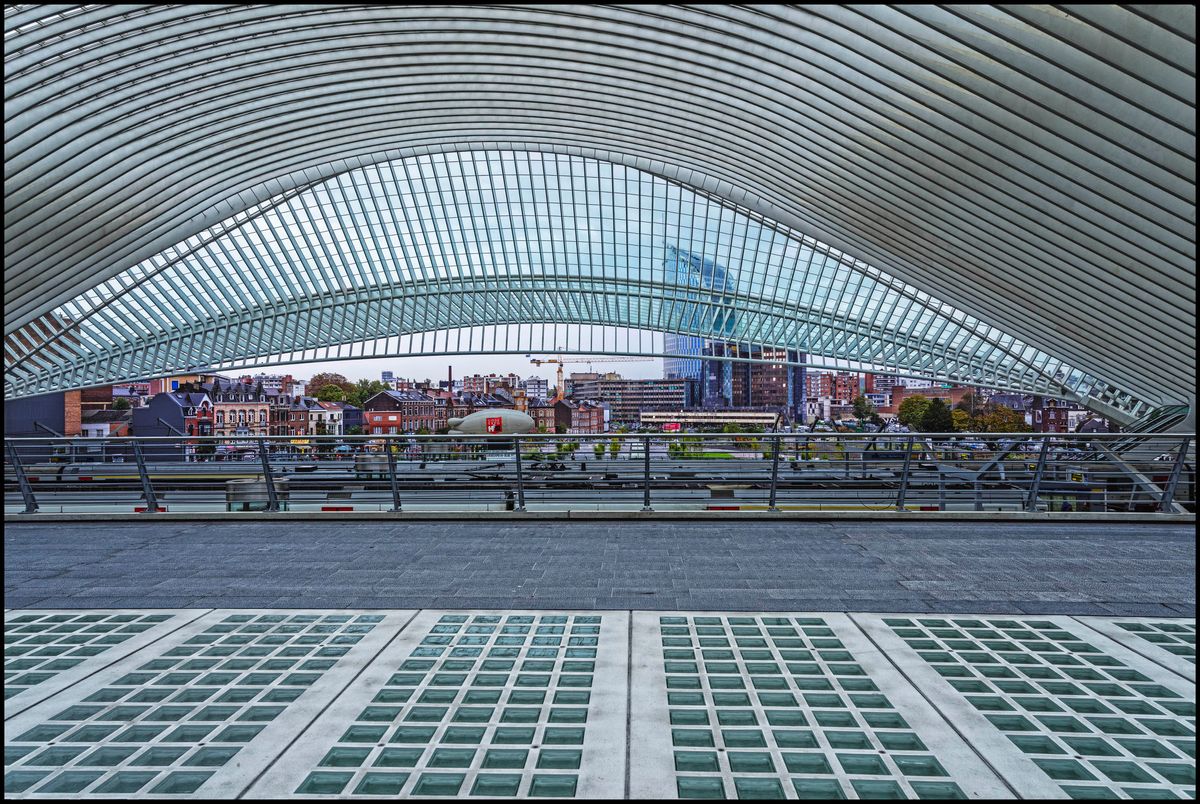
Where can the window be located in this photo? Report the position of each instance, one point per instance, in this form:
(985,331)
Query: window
(377,431)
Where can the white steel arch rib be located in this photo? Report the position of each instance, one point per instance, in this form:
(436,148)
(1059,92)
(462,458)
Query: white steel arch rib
(1032,166)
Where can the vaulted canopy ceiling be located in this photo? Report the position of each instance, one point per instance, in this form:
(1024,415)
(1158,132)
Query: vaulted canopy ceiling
(1030,168)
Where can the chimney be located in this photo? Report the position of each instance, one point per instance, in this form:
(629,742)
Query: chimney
(450,377)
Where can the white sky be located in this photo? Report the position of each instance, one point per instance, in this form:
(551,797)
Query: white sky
(435,367)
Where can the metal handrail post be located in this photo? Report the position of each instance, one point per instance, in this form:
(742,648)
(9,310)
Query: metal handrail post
(903,492)
(646,476)
(520,475)
(147,486)
(1031,503)
(1169,492)
(272,498)
(14,458)
(941,490)
(391,459)
(774,476)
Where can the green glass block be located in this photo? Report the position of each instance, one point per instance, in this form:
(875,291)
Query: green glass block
(1122,771)
(481,697)
(281,695)
(826,701)
(559,759)
(1067,769)
(1086,706)
(1088,792)
(496,784)
(537,697)
(837,720)
(856,740)
(344,757)
(505,758)
(211,757)
(513,736)
(795,739)
(777,699)
(1175,773)
(877,789)
(863,764)
(553,786)
(562,736)
(561,715)
(426,714)
(438,784)
(989,703)
(110,695)
(21,780)
(743,738)
(815,789)
(463,735)
(396,757)
(70,782)
(673,698)
(758,788)
(12,753)
(900,741)
(438,696)
(183,782)
(381,784)
(726,683)
(786,718)
(79,713)
(806,763)
(159,756)
(324,783)
(735,717)
(520,714)
(126,782)
(1146,749)
(55,757)
(729,699)
(1011,723)
(699,787)
(750,762)
(1165,728)
(403,734)
(937,790)
(695,761)
(919,766)
(108,756)
(452,758)
(884,720)
(1186,746)
(692,738)
(41,734)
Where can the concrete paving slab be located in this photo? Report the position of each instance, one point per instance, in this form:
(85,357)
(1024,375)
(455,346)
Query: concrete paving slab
(478,703)
(1050,702)
(45,652)
(1171,643)
(202,711)
(784,705)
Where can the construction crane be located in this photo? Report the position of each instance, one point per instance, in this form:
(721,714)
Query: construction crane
(559,388)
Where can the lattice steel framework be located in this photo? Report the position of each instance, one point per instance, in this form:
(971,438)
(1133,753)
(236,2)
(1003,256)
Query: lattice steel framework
(1032,166)
(501,251)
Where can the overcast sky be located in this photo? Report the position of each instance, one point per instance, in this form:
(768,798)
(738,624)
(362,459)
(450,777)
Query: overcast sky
(435,368)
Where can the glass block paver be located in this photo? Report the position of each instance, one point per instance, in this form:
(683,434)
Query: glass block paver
(45,651)
(476,704)
(210,705)
(1098,720)
(784,706)
(1171,643)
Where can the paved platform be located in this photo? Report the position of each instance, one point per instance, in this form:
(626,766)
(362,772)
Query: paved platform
(235,703)
(944,567)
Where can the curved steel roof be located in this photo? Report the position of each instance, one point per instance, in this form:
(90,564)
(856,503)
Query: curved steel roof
(1031,166)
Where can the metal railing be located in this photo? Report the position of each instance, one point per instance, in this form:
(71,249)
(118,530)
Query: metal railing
(1086,473)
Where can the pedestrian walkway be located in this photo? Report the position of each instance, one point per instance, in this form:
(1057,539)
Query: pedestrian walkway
(598,703)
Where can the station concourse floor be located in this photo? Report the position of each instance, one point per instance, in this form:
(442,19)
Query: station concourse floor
(663,659)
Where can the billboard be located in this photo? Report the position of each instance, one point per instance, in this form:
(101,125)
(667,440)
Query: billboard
(495,424)
(670,427)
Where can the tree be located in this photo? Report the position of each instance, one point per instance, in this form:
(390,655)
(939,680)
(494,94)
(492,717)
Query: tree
(912,409)
(962,420)
(598,449)
(1003,419)
(120,404)
(364,390)
(330,378)
(331,393)
(864,410)
(614,446)
(937,418)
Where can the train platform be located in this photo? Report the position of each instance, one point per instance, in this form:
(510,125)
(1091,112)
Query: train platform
(599,660)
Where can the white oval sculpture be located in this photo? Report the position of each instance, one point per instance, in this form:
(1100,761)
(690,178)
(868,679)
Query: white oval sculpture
(495,421)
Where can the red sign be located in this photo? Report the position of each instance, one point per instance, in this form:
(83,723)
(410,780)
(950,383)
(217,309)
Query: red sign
(670,427)
(495,425)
